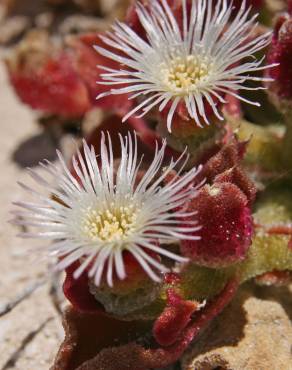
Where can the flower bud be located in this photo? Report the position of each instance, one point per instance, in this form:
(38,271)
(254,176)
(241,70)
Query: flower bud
(226,221)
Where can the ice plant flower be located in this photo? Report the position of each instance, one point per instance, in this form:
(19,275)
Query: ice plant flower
(197,63)
(98,213)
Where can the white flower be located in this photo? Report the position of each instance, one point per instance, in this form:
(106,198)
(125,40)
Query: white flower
(195,65)
(100,213)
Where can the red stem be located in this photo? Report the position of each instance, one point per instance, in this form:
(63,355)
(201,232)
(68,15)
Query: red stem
(135,357)
(164,357)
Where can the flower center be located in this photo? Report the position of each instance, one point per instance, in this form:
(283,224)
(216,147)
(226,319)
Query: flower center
(109,225)
(182,75)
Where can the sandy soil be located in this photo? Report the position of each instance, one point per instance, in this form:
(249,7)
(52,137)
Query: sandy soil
(31,332)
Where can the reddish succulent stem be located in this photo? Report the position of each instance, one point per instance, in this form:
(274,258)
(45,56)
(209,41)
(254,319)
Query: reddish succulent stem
(135,357)
(166,356)
(205,316)
(174,318)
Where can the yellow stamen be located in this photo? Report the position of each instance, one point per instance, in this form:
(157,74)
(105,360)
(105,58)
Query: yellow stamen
(111,224)
(182,75)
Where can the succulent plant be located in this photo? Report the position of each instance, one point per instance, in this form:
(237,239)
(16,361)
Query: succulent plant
(158,245)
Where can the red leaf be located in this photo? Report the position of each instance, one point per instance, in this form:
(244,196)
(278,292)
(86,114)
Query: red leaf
(53,87)
(175,317)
